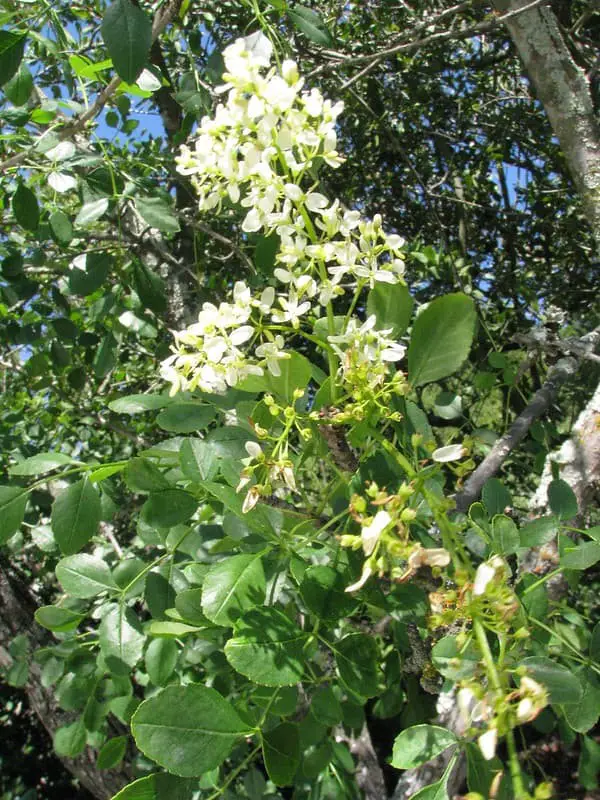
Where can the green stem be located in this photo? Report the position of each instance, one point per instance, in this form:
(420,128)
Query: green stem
(495,680)
(233,775)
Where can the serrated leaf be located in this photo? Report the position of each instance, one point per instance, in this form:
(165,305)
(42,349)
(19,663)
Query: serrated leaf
(121,639)
(268,648)
(392,306)
(495,496)
(583,556)
(13,501)
(157,213)
(112,753)
(159,786)
(562,500)
(161,658)
(356,657)
(20,86)
(96,271)
(25,208)
(57,619)
(441,338)
(186,417)
(168,507)
(139,403)
(69,740)
(188,730)
(150,287)
(311,25)
(75,516)
(84,576)
(127,33)
(281,753)
(12,48)
(419,744)
(141,475)
(505,535)
(232,587)
(91,212)
(40,464)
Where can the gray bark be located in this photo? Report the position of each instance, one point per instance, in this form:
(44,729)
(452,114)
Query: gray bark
(564,91)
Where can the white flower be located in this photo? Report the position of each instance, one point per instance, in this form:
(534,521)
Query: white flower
(488,742)
(315,201)
(428,557)
(292,309)
(273,353)
(366,574)
(485,573)
(451,452)
(254,450)
(371,534)
(250,500)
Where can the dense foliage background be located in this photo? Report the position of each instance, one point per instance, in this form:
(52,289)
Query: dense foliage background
(103,254)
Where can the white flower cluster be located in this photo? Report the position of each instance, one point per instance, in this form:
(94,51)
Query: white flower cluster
(261,150)
(364,352)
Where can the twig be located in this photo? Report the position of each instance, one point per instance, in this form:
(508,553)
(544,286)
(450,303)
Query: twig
(558,375)
(160,22)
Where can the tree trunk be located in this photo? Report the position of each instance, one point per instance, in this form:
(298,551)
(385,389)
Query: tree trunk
(17,607)
(564,90)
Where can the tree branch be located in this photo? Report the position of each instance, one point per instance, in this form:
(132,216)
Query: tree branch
(161,19)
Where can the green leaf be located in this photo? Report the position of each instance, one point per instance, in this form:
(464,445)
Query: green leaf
(159,786)
(12,48)
(112,752)
(91,212)
(495,496)
(505,535)
(84,576)
(326,708)
(441,338)
(159,593)
(13,501)
(232,587)
(139,403)
(356,657)
(562,685)
(480,773)
(127,33)
(198,460)
(562,500)
(141,475)
(150,287)
(20,86)
(419,744)
(588,768)
(188,730)
(453,661)
(25,208)
(61,227)
(93,276)
(595,643)
(583,715)
(76,514)
(583,556)
(323,591)
(392,306)
(40,464)
(189,605)
(121,639)
(186,417)
(538,531)
(268,648)
(281,753)
(311,25)
(69,740)
(158,213)
(168,508)
(161,658)
(57,619)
